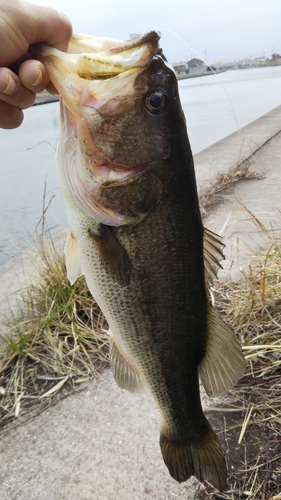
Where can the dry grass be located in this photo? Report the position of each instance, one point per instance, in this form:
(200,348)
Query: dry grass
(250,421)
(56,340)
(242,171)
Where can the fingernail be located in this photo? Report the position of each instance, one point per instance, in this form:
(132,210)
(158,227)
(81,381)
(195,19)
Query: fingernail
(38,79)
(10,86)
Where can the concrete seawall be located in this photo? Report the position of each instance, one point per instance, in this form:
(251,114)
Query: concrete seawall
(44,98)
(240,206)
(226,154)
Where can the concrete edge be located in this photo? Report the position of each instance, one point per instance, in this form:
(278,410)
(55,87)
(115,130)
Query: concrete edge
(234,149)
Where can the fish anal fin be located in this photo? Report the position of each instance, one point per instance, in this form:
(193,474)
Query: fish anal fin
(72,258)
(112,254)
(200,458)
(223,363)
(125,375)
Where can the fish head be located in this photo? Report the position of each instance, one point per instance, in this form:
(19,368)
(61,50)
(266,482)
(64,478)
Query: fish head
(118,111)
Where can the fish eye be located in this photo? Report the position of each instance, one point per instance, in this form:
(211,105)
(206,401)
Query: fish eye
(155,102)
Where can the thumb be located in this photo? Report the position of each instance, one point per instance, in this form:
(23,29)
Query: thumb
(47,25)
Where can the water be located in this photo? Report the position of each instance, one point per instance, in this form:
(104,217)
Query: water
(215,106)
(27,160)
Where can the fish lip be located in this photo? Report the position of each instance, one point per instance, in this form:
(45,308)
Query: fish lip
(148,40)
(71,72)
(103,44)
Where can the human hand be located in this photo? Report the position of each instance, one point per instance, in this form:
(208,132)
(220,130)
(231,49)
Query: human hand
(21,77)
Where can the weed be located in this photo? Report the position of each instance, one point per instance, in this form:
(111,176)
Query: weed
(57,338)
(249,416)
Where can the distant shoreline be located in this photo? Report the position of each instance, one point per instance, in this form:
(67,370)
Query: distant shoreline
(44,97)
(196,75)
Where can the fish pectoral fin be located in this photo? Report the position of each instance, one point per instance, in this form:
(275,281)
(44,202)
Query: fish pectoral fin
(112,254)
(213,254)
(72,258)
(201,458)
(223,363)
(125,375)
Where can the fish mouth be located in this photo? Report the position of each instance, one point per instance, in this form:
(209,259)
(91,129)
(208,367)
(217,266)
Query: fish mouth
(96,79)
(83,76)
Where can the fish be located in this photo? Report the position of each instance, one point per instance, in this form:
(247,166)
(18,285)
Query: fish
(127,177)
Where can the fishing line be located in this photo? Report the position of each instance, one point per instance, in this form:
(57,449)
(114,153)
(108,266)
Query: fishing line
(38,144)
(244,139)
(211,69)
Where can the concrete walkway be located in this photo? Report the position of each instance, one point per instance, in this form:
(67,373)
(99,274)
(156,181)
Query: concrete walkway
(260,146)
(102,443)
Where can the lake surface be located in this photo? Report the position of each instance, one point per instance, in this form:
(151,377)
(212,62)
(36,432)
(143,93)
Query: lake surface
(215,106)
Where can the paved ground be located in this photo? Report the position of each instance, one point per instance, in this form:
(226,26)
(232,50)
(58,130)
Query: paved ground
(102,443)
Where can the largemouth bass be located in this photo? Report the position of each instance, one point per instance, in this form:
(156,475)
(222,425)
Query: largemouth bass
(126,172)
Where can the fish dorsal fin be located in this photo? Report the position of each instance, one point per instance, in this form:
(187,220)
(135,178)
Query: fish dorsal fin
(213,254)
(223,363)
(72,258)
(125,375)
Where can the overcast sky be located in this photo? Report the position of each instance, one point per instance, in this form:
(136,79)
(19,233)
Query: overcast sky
(219,30)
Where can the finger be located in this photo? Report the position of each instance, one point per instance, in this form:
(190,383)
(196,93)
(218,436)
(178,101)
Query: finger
(8,84)
(51,89)
(26,24)
(13,92)
(33,75)
(10,116)
(47,25)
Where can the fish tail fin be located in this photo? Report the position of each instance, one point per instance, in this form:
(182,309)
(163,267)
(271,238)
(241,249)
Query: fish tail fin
(201,458)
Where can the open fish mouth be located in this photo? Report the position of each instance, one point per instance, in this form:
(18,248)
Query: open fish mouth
(102,87)
(93,60)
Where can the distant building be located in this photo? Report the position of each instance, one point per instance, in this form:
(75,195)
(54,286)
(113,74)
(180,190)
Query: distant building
(259,61)
(196,66)
(180,68)
(244,64)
